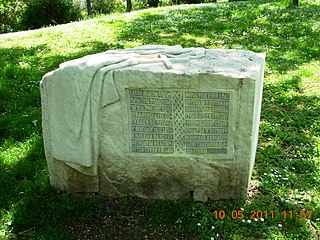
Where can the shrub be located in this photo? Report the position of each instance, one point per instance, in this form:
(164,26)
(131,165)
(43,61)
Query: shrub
(10,12)
(139,4)
(108,6)
(39,13)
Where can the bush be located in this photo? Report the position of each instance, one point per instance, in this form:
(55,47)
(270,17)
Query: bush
(10,12)
(139,4)
(108,6)
(40,13)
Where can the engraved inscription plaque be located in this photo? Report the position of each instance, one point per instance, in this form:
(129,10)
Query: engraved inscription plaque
(178,121)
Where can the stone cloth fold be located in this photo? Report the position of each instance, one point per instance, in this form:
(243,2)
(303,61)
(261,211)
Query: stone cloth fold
(78,88)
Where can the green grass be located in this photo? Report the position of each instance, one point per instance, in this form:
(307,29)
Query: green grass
(287,170)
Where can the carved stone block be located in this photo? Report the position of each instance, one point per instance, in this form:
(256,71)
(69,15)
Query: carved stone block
(154,122)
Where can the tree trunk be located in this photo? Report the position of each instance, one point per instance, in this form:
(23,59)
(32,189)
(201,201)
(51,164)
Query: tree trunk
(296,2)
(129,5)
(89,8)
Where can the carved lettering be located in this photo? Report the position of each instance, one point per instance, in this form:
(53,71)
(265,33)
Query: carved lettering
(151,136)
(178,121)
(207,109)
(206,151)
(152,122)
(191,115)
(207,130)
(150,101)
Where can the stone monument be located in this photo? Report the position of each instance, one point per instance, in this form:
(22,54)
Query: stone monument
(154,122)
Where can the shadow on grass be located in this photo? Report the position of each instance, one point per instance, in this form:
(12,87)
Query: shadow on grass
(286,162)
(27,201)
(36,211)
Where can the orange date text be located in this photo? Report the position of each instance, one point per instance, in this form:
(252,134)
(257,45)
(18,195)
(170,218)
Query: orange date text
(262,214)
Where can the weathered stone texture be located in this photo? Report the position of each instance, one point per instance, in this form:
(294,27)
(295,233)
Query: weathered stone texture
(168,122)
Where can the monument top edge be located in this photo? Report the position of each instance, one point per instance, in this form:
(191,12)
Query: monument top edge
(175,59)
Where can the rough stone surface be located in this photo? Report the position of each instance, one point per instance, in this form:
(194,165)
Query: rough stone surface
(154,122)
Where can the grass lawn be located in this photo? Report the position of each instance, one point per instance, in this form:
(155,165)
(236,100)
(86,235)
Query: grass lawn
(284,197)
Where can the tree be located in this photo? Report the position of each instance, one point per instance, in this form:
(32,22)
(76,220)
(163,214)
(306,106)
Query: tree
(89,7)
(129,5)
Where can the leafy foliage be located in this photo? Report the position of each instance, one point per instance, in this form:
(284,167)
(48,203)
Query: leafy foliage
(10,14)
(40,13)
(108,6)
